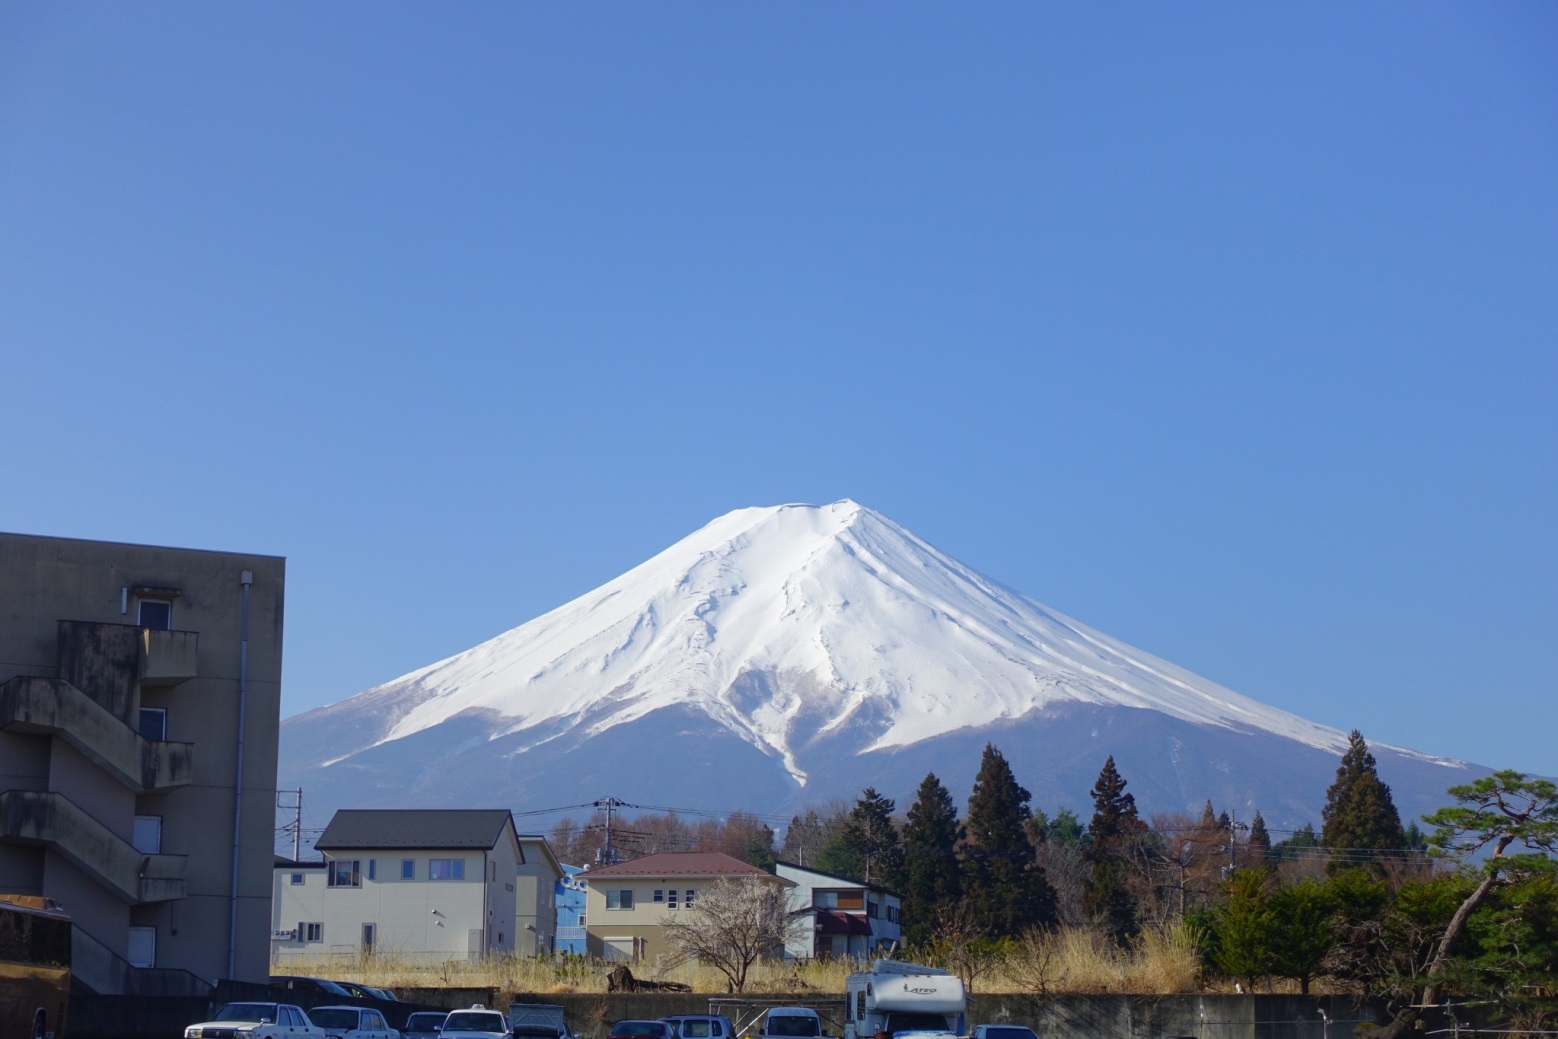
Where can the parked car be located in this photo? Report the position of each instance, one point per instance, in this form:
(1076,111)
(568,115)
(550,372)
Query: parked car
(790,1023)
(702,1026)
(352,1023)
(318,986)
(633,1029)
(383,993)
(424,1024)
(1002,1032)
(538,1021)
(256,1021)
(475,1023)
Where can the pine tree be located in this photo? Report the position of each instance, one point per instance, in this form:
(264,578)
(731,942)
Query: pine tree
(1004,886)
(1111,836)
(1260,841)
(931,877)
(872,840)
(1359,816)
(1065,829)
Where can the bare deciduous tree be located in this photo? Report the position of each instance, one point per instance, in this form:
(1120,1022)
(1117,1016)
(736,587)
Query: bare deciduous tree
(731,926)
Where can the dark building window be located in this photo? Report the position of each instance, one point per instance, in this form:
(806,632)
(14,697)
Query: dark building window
(154,723)
(156,613)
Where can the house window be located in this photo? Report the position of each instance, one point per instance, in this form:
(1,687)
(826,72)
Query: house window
(494,877)
(689,895)
(826,899)
(871,910)
(154,723)
(446,869)
(369,933)
(297,878)
(671,900)
(345,873)
(156,613)
(620,899)
(660,894)
(311,932)
(147,834)
(408,869)
(373,869)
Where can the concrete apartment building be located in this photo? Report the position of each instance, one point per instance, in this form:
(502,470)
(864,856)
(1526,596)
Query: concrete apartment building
(425,885)
(140,695)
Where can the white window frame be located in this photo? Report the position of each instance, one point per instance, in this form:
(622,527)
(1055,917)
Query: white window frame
(452,869)
(619,895)
(354,866)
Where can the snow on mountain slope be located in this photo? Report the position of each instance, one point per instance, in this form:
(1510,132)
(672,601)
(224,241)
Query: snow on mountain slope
(790,625)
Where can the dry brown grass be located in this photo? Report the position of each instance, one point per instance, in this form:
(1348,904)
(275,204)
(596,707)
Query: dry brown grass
(1162,962)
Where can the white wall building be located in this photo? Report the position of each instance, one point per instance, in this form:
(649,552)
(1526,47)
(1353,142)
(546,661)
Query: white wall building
(426,885)
(846,917)
(536,897)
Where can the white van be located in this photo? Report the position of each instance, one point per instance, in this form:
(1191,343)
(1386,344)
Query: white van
(791,1023)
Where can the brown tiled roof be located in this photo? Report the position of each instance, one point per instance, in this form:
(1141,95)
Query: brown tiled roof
(679,864)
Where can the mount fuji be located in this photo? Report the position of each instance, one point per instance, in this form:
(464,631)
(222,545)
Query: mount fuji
(792,655)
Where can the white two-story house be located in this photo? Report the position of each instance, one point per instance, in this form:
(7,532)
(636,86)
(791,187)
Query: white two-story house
(846,917)
(430,885)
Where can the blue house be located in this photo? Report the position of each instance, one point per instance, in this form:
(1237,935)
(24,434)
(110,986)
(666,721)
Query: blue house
(570,911)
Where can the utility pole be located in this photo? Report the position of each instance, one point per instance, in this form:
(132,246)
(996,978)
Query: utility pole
(297,820)
(610,804)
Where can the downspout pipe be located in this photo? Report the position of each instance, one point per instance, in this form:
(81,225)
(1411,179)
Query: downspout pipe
(245,579)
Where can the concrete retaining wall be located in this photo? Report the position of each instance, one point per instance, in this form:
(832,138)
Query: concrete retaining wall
(592,1014)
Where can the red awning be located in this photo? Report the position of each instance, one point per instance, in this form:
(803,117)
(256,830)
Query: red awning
(830,921)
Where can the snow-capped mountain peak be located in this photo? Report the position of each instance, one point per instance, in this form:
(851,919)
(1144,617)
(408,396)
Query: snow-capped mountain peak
(795,622)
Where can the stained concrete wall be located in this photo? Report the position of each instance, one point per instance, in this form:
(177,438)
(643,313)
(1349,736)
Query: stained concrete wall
(47,580)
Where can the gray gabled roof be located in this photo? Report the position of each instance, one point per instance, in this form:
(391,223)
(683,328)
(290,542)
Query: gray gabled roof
(431,828)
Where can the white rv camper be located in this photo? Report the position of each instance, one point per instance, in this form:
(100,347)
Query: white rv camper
(896,999)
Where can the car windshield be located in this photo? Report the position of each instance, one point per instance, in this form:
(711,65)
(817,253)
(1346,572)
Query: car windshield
(333,1017)
(792,1024)
(1009,1032)
(424,1022)
(916,1023)
(694,1029)
(475,1021)
(247,1012)
(640,1028)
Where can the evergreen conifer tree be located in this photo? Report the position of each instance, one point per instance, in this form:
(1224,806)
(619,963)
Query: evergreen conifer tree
(1111,835)
(931,876)
(1005,888)
(872,840)
(1359,816)
(1260,841)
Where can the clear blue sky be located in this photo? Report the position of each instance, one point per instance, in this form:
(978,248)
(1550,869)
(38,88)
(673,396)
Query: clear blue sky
(1228,329)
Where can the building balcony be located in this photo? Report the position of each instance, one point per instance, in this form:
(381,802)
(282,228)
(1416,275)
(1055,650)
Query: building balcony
(37,817)
(570,934)
(168,657)
(54,707)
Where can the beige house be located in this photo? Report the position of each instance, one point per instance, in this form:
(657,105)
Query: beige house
(535,893)
(626,903)
(427,885)
(140,693)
